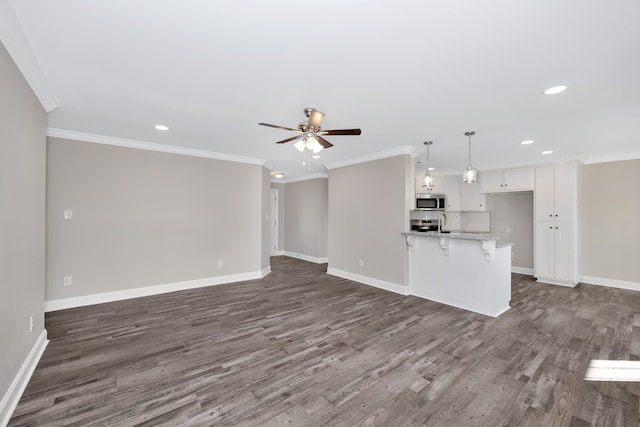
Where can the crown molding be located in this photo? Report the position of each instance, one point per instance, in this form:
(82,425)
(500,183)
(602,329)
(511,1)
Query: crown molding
(151,146)
(407,150)
(611,158)
(16,43)
(300,178)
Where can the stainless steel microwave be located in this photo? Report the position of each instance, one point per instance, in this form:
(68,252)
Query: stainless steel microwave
(430,202)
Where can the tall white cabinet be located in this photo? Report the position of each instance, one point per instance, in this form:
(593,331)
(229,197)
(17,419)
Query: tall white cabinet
(557,222)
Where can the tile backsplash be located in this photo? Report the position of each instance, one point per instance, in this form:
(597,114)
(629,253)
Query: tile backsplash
(465,221)
(469,221)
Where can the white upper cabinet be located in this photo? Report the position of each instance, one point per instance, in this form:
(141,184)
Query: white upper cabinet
(556,192)
(470,197)
(506,180)
(452,191)
(437,188)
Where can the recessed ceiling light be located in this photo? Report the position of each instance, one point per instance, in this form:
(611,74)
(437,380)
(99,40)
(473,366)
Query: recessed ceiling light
(527,142)
(316,156)
(162,127)
(555,89)
(431,169)
(547,152)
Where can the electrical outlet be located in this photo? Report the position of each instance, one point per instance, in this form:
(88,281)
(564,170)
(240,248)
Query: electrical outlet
(361,263)
(220,263)
(508,229)
(31,323)
(68,214)
(67,281)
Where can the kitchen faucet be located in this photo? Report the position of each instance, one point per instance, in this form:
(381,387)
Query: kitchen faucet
(442,220)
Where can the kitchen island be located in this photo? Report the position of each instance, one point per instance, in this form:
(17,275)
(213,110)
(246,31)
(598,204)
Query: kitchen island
(465,270)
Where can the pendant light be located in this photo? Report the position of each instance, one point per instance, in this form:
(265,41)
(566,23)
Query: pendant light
(428,178)
(470,174)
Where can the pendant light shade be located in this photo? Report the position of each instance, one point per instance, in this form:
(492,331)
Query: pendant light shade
(470,174)
(428,178)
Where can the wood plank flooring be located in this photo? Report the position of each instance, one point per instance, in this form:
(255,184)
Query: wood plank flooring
(303,348)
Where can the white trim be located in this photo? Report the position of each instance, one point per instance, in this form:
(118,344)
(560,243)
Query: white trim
(522,270)
(304,257)
(504,310)
(303,178)
(377,283)
(613,370)
(611,283)
(20,381)
(18,47)
(373,156)
(556,282)
(278,253)
(151,146)
(81,301)
(265,271)
(612,158)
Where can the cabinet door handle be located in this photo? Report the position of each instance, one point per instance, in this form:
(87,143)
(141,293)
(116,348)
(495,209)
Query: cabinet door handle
(556,228)
(551,215)
(556,214)
(550,228)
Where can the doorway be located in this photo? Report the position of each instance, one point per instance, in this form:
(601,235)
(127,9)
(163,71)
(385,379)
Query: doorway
(274,222)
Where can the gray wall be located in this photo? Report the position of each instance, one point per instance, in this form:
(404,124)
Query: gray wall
(265,258)
(22,219)
(143,218)
(514,210)
(368,209)
(306,212)
(611,224)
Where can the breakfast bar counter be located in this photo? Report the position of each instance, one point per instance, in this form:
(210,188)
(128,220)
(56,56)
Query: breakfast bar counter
(465,270)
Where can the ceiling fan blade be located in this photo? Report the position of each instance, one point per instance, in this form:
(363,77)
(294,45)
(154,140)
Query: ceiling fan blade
(323,142)
(341,132)
(315,118)
(278,127)
(289,139)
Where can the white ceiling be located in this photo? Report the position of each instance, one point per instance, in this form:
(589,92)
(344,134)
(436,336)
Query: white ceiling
(402,71)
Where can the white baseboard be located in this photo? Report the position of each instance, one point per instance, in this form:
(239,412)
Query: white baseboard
(612,283)
(307,257)
(13,394)
(387,286)
(556,282)
(522,270)
(81,301)
(265,271)
(278,253)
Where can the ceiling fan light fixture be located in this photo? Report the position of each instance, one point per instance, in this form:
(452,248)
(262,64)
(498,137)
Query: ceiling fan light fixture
(470,174)
(313,145)
(300,145)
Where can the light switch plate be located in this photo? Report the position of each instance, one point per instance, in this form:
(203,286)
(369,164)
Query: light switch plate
(68,214)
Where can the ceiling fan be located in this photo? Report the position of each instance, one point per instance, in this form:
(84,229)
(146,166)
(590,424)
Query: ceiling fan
(310,134)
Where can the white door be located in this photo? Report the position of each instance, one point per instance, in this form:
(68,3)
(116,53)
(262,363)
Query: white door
(274,222)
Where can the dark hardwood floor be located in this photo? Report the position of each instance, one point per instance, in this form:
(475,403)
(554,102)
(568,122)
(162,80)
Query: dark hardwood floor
(303,348)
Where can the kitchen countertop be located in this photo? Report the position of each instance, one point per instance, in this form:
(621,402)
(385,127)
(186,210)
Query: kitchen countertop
(457,235)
